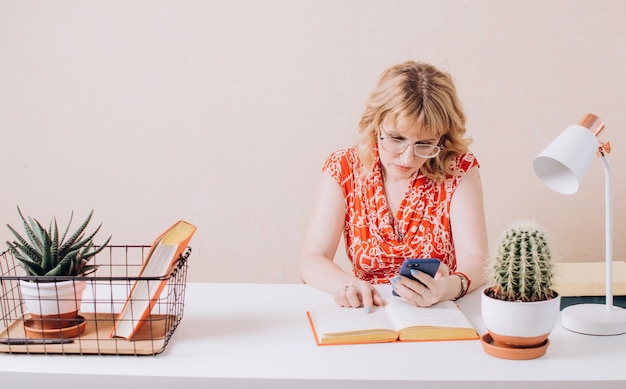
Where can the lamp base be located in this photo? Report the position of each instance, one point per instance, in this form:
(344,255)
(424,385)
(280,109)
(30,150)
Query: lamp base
(594,319)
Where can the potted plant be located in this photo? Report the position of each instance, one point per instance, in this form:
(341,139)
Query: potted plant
(519,307)
(50,290)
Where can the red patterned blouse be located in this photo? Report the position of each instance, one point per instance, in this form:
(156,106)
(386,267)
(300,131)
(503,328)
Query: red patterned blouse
(377,249)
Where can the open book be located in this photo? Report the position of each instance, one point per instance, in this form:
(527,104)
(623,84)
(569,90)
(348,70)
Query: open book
(161,258)
(397,320)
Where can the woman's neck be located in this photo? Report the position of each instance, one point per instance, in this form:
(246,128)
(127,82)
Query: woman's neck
(395,191)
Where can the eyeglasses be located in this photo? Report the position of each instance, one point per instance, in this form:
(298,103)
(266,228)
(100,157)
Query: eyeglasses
(397,146)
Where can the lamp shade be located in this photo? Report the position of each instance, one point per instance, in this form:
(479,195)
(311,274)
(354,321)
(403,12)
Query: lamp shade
(563,163)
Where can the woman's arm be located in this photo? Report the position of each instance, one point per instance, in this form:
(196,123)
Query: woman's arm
(317,267)
(469,230)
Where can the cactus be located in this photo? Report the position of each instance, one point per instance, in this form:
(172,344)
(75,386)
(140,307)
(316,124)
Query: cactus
(520,266)
(47,254)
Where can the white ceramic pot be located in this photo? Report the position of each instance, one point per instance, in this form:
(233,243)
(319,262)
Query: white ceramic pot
(519,323)
(53,301)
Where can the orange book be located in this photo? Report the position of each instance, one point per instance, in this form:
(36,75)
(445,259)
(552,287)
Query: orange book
(163,254)
(396,321)
(589,278)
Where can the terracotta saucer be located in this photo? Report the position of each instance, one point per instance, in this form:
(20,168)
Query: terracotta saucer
(512,352)
(66,332)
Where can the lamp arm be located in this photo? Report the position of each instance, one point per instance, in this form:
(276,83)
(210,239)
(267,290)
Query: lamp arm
(608,186)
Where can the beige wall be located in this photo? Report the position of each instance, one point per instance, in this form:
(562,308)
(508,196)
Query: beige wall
(222,112)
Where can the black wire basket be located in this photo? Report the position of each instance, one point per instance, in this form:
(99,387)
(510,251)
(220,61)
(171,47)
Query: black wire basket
(105,293)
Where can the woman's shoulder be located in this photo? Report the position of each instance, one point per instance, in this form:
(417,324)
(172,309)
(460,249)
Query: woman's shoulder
(347,157)
(464,162)
(342,164)
(349,154)
(458,168)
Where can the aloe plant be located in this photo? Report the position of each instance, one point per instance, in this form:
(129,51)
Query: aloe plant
(44,253)
(520,266)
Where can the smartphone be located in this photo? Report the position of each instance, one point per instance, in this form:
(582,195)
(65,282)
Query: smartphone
(426,265)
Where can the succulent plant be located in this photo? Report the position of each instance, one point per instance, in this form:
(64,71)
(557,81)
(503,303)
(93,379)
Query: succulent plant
(47,254)
(520,265)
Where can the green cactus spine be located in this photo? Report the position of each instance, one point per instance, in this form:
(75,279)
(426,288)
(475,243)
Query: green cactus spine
(520,267)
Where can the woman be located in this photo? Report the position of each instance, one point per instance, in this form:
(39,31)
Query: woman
(410,189)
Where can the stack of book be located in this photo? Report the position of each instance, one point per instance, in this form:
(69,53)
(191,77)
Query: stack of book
(585,282)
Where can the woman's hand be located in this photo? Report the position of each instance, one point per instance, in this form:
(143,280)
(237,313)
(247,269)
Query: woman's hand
(356,294)
(429,290)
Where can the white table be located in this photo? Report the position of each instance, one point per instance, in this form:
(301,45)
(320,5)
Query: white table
(258,336)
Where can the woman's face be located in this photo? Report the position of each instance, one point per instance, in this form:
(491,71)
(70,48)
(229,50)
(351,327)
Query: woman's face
(400,165)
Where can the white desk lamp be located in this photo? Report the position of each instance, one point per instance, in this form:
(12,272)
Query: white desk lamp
(562,166)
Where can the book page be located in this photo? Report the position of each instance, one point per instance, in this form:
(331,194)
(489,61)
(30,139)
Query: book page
(336,320)
(160,261)
(144,290)
(443,314)
(164,253)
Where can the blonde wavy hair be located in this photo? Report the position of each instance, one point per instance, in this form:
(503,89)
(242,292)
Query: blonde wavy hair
(426,96)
